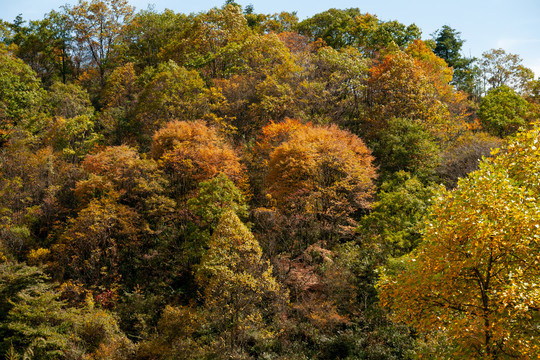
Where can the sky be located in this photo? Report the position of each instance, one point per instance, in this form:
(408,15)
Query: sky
(513,25)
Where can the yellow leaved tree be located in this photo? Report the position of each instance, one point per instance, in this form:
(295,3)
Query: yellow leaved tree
(475,278)
(238,287)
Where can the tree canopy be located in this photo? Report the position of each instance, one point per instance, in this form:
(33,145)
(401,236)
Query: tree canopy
(474,276)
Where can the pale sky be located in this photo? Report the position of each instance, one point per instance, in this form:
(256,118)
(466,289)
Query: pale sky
(513,25)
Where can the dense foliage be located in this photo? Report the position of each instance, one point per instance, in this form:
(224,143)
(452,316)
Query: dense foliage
(236,185)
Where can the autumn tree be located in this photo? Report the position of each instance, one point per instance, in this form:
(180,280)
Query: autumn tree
(261,88)
(97,25)
(321,174)
(238,287)
(414,84)
(123,208)
(191,152)
(500,68)
(473,278)
(98,245)
(30,183)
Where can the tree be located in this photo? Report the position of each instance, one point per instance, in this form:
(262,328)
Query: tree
(46,45)
(20,93)
(238,286)
(36,323)
(334,26)
(372,35)
(349,27)
(499,68)
(97,28)
(170,92)
(406,146)
(395,220)
(192,152)
(210,42)
(414,84)
(120,100)
(321,174)
(68,100)
(73,137)
(502,111)
(464,156)
(98,244)
(261,87)
(119,171)
(335,86)
(474,277)
(214,197)
(31,180)
(148,33)
(448,44)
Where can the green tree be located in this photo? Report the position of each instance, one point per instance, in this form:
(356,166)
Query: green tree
(394,224)
(334,90)
(372,35)
(238,287)
(334,26)
(148,33)
(69,100)
(170,92)
(474,277)
(406,146)
(37,324)
(214,197)
(46,45)
(20,93)
(119,99)
(349,27)
(448,44)
(502,111)
(210,41)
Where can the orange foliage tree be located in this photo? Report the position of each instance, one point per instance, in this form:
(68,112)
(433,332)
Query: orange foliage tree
(415,84)
(192,152)
(319,171)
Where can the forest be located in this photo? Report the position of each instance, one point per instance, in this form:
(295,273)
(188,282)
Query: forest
(237,185)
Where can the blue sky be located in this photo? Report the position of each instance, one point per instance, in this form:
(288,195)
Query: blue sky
(513,25)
